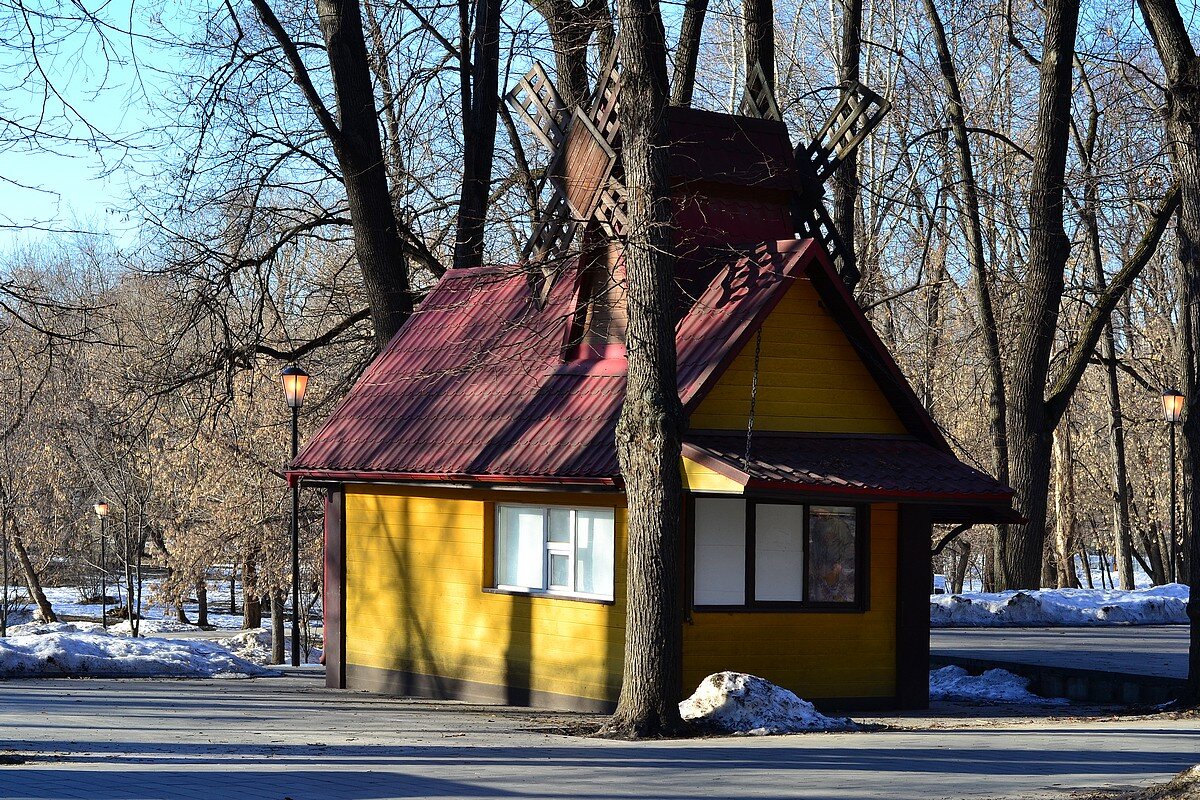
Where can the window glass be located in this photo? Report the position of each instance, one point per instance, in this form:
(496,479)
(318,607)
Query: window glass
(831,554)
(520,547)
(720,569)
(779,552)
(560,525)
(560,549)
(594,551)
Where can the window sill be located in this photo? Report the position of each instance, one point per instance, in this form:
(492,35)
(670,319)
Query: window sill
(578,598)
(786,608)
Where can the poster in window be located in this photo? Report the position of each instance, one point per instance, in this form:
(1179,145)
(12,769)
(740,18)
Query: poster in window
(831,555)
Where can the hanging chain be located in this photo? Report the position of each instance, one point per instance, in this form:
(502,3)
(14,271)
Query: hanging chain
(753,398)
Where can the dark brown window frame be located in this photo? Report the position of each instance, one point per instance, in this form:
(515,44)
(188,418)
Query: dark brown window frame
(862,557)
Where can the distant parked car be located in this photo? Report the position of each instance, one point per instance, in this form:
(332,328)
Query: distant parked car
(939,584)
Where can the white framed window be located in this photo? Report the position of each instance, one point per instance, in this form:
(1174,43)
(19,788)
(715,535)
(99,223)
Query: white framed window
(555,549)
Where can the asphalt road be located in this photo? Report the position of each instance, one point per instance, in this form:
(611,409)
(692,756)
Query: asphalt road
(289,737)
(1156,650)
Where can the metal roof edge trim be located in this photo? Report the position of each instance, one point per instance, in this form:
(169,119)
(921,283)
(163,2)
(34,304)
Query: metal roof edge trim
(948,498)
(365,476)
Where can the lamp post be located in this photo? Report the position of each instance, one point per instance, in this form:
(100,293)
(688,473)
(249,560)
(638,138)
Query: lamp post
(101,510)
(1172,402)
(295,384)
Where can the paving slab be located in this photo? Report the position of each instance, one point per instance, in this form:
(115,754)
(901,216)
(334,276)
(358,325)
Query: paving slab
(290,737)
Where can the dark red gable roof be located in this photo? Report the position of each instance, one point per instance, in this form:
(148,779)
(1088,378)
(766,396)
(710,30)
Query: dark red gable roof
(474,386)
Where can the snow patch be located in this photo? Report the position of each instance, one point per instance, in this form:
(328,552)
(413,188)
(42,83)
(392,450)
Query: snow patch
(84,649)
(1153,605)
(739,703)
(994,686)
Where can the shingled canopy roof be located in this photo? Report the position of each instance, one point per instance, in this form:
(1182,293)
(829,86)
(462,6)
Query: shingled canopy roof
(475,388)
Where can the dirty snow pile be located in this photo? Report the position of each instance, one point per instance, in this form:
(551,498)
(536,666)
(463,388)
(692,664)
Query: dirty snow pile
(1153,605)
(85,649)
(993,686)
(735,702)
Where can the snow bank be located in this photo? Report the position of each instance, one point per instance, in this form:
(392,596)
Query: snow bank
(1154,605)
(739,703)
(993,686)
(83,649)
(255,646)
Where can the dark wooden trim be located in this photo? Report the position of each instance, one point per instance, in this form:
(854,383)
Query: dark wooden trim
(913,578)
(439,687)
(688,578)
(488,567)
(334,602)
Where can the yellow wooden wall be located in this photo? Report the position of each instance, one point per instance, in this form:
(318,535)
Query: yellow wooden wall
(816,655)
(810,378)
(415,570)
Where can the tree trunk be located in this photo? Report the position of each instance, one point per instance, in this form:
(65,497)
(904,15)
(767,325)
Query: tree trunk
(571,29)
(758,19)
(357,144)
(1030,430)
(202,602)
(651,421)
(845,178)
(251,605)
(1064,509)
(973,225)
(479,88)
(683,81)
(962,560)
(32,581)
(277,642)
(1182,68)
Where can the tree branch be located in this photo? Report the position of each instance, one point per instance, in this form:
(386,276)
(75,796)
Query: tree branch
(1093,326)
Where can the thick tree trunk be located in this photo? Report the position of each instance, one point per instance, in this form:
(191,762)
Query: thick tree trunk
(651,421)
(32,581)
(683,80)
(571,29)
(1029,427)
(962,561)
(758,20)
(1182,68)
(359,152)
(479,88)
(845,179)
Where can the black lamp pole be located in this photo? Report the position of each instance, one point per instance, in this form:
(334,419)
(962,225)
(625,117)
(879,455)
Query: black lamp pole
(101,509)
(295,542)
(295,383)
(1173,413)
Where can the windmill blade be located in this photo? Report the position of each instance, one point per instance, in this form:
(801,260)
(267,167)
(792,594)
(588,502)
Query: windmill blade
(536,101)
(612,209)
(607,100)
(813,222)
(854,117)
(758,99)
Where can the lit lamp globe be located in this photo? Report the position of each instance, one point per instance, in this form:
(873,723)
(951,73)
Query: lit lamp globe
(1172,405)
(101,509)
(295,383)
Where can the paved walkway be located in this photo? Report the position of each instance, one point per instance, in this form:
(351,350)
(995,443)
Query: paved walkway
(288,737)
(1155,650)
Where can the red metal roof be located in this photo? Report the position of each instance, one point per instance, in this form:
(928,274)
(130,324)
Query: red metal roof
(855,466)
(474,386)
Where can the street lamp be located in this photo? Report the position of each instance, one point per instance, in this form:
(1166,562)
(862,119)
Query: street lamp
(295,384)
(101,509)
(1172,402)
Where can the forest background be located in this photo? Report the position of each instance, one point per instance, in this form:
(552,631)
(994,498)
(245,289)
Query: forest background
(141,351)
